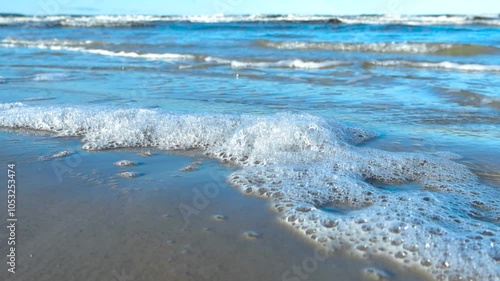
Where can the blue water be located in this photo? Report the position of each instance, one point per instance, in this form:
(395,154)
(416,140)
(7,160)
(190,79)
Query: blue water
(425,85)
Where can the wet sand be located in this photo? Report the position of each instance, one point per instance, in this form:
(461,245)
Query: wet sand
(178,220)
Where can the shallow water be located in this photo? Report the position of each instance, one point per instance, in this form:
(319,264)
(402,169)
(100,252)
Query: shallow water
(379,134)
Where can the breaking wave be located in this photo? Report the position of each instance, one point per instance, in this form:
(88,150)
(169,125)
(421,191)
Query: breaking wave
(138,21)
(385,47)
(434,65)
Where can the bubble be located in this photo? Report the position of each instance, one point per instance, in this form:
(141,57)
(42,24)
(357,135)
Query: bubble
(145,153)
(426,262)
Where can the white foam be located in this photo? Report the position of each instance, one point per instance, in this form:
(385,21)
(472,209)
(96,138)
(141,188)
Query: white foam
(217,60)
(383,47)
(296,63)
(65,46)
(420,211)
(125,163)
(57,155)
(52,42)
(61,45)
(10,105)
(437,65)
(148,20)
(418,20)
(51,77)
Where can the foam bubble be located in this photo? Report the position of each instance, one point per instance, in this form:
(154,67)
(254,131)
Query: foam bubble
(420,211)
(125,163)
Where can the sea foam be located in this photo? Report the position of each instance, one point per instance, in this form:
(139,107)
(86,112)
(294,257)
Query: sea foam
(445,65)
(385,47)
(418,210)
(138,21)
(86,47)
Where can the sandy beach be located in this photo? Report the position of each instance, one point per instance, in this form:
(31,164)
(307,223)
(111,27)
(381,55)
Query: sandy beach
(95,225)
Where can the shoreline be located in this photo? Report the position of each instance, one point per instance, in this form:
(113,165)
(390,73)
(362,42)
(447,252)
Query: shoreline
(95,225)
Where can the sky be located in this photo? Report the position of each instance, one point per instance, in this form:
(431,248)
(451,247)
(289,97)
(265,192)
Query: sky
(209,7)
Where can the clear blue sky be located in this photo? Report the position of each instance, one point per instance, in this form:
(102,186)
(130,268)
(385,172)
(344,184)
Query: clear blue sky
(208,7)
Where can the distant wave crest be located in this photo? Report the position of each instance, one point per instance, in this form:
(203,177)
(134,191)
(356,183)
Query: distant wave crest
(295,63)
(385,47)
(434,65)
(149,20)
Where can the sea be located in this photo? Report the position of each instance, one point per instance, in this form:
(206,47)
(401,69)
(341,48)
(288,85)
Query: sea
(375,134)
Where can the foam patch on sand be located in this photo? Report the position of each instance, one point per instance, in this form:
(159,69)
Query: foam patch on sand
(421,211)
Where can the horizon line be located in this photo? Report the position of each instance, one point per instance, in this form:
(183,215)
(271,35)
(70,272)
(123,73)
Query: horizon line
(244,14)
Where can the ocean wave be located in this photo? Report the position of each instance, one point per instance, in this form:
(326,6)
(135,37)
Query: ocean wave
(149,20)
(89,47)
(72,43)
(434,65)
(385,47)
(422,20)
(86,47)
(469,98)
(296,63)
(335,193)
